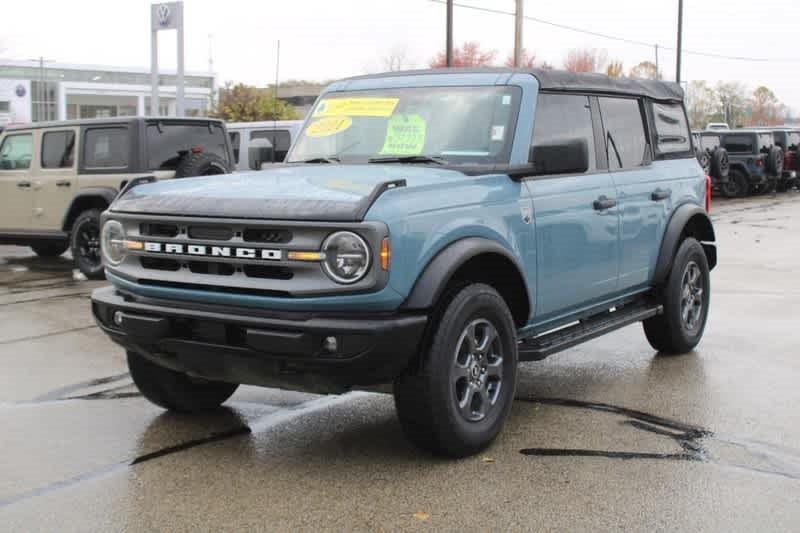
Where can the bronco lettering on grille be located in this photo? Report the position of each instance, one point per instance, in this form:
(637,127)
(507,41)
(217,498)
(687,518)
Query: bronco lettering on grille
(213,251)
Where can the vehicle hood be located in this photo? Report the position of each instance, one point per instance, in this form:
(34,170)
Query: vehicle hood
(323,192)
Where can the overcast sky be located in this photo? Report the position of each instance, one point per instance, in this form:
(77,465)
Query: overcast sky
(328,39)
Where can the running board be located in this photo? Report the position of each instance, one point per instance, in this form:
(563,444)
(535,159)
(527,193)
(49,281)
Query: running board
(537,348)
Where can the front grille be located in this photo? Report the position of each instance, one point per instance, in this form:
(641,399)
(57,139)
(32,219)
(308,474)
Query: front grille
(267,272)
(214,288)
(217,269)
(158,263)
(211,233)
(266,235)
(158,230)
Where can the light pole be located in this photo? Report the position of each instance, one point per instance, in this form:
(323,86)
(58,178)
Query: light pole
(680,41)
(518,35)
(449,37)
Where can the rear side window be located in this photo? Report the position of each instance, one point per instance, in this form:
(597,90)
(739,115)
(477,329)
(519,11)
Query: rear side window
(16,152)
(672,129)
(780,138)
(280,139)
(106,148)
(58,149)
(794,140)
(167,143)
(236,138)
(624,131)
(765,141)
(560,119)
(741,144)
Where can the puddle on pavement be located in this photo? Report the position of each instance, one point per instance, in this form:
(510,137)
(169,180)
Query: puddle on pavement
(695,443)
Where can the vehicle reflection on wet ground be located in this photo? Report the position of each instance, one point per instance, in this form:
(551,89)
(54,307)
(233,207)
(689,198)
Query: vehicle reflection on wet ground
(606,435)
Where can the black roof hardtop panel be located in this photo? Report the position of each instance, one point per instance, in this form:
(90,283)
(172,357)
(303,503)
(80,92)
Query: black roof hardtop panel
(103,121)
(561,80)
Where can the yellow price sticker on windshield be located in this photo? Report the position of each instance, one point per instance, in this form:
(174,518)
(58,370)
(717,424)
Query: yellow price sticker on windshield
(356,107)
(328,126)
(405,135)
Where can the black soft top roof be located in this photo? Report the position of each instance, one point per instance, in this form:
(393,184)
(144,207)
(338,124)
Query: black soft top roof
(561,80)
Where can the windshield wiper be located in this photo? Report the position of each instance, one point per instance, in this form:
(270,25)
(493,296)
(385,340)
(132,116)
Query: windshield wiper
(332,159)
(409,159)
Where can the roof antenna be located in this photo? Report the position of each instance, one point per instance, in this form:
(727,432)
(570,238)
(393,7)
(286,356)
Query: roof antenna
(275,103)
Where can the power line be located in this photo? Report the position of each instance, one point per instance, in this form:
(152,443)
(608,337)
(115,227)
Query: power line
(623,39)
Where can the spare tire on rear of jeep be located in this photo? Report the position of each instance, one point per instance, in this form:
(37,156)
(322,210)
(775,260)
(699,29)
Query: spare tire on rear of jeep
(775,161)
(720,166)
(201,164)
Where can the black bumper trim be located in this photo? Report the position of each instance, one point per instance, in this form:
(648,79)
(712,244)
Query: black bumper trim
(238,345)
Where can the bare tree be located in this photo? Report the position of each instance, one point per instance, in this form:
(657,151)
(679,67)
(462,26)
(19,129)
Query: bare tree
(701,102)
(615,69)
(645,70)
(468,54)
(732,101)
(586,60)
(396,59)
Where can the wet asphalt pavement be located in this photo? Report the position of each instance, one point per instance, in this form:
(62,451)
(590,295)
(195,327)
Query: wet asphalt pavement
(604,436)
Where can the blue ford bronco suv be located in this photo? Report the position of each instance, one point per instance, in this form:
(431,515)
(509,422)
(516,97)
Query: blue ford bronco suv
(429,230)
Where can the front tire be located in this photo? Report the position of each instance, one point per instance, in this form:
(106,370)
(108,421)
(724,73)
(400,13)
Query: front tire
(455,404)
(176,391)
(50,248)
(85,244)
(686,298)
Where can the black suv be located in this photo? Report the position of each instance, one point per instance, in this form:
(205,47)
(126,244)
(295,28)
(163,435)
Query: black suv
(756,163)
(712,157)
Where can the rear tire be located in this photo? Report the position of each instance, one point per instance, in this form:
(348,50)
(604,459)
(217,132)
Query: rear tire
(85,244)
(685,297)
(50,248)
(455,404)
(176,391)
(736,186)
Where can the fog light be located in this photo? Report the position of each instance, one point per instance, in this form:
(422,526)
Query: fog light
(330,344)
(118,318)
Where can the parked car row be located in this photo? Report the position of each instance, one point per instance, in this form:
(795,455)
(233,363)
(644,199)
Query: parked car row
(742,162)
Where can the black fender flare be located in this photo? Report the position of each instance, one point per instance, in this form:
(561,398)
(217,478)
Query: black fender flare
(106,194)
(701,228)
(433,280)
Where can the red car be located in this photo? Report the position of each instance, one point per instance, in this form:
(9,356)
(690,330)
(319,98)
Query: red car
(789,140)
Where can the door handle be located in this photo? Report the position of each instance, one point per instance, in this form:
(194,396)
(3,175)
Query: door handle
(24,184)
(660,194)
(63,183)
(603,203)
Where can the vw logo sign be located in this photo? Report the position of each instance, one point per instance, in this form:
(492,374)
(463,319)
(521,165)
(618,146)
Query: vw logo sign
(163,13)
(20,90)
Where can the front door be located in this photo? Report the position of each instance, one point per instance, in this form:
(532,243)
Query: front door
(56,181)
(16,182)
(577,226)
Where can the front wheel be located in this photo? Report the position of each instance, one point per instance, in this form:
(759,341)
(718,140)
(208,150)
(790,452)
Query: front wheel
(686,298)
(456,402)
(85,244)
(176,391)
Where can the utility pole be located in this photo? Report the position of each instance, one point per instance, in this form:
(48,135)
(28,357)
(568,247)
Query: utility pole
(680,42)
(658,70)
(518,35)
(449,38)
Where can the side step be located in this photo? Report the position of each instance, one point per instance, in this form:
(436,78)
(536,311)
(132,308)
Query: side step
(537,348)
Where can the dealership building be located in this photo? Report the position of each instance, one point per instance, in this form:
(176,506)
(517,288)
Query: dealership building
(31,91)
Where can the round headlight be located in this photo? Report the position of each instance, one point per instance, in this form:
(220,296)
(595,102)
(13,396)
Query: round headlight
(112,241)
(346,257)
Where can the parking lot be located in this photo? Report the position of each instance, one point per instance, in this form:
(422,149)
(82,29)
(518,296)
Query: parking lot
(604,436)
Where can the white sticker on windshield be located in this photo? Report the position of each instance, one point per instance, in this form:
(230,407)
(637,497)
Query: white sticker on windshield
(506,99)
(498,132)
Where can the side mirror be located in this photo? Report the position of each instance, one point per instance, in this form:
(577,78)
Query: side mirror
(260,151)
(570,156)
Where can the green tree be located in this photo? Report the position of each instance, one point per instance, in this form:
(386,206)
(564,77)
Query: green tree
(245,103)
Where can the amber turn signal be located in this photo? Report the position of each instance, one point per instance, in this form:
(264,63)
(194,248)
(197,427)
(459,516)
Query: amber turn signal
(386,254)
(305,256)
(134,245)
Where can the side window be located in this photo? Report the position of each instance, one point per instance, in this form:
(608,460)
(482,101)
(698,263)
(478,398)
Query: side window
(561,119)
(236,138)
(16,152)
(106,148)
(709,142)
(739,144)
(624,131)
(57,149)
(672,129)
(280,139)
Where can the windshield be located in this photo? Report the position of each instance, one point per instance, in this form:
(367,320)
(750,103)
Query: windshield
(455,124)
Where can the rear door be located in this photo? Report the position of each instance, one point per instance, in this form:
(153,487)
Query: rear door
(16,181)
(56,180)
(575,217)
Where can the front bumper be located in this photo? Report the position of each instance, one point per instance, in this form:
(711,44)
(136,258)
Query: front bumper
(277,349)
